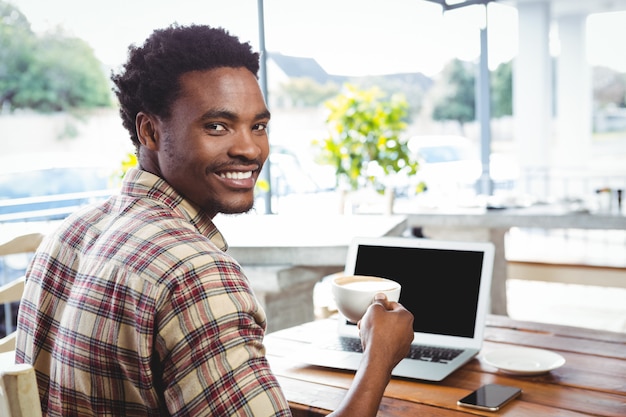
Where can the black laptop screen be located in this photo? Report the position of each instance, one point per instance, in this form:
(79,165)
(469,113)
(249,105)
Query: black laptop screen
(439,286)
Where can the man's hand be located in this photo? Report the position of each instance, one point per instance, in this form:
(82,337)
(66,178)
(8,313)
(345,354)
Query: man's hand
(386,334)
(386,330)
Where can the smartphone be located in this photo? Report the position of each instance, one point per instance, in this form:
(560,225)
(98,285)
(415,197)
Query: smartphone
(490,397)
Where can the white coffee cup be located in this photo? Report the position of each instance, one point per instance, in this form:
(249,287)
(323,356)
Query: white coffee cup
(353,294)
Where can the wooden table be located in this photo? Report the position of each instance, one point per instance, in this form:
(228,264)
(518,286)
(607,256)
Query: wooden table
(591,383)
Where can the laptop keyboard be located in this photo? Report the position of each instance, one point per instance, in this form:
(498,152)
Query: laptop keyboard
(419,352)
(433,354)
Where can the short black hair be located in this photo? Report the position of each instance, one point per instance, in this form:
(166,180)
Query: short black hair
(150,80)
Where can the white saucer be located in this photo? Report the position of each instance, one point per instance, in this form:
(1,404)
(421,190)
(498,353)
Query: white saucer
(524,361)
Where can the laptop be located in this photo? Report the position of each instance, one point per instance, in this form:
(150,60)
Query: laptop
(445,284)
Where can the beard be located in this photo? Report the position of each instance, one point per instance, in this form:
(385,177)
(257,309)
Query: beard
(241,205)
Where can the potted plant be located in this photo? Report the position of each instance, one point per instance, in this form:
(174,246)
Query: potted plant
(365,144)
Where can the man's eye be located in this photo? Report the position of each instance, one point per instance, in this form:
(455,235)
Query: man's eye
(215,126)
(260,126)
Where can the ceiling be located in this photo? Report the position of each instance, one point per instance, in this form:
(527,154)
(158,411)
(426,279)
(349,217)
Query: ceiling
(568,7)
(559,7)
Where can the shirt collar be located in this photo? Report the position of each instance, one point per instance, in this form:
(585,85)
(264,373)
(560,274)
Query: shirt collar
(142,184)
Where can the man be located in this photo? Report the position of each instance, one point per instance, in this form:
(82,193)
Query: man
(132,307)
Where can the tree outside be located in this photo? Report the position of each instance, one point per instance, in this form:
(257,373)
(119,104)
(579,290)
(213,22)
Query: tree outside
(51,73)
(502,90)
(305,92)
(455,95)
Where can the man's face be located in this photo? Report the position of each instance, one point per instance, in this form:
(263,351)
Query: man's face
(215,142)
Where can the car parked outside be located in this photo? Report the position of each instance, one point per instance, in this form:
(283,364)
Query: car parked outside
(451,166)
(296,185)
(51,193)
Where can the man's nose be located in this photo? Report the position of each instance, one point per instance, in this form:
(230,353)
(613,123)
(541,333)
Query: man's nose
(248,145)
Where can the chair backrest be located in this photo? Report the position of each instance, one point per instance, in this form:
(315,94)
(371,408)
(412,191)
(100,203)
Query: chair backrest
(11,292)
(21,244)
(19,396)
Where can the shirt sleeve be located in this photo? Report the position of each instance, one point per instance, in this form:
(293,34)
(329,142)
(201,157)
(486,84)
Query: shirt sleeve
(210,341)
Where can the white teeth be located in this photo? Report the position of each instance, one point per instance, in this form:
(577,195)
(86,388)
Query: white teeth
(237,175)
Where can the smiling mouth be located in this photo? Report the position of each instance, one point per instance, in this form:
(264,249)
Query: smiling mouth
(236,175)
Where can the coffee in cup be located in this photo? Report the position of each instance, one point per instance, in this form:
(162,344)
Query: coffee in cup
(353,294)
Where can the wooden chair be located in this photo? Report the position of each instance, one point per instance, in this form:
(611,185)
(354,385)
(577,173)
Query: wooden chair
(21,244)
(11,292)
(19,395)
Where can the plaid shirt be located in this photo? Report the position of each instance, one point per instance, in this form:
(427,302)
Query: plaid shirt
(132,308)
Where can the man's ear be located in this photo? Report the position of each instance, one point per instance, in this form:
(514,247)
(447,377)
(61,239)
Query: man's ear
(147,131)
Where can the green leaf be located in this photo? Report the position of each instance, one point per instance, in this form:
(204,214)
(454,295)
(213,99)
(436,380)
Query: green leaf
(365,131)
